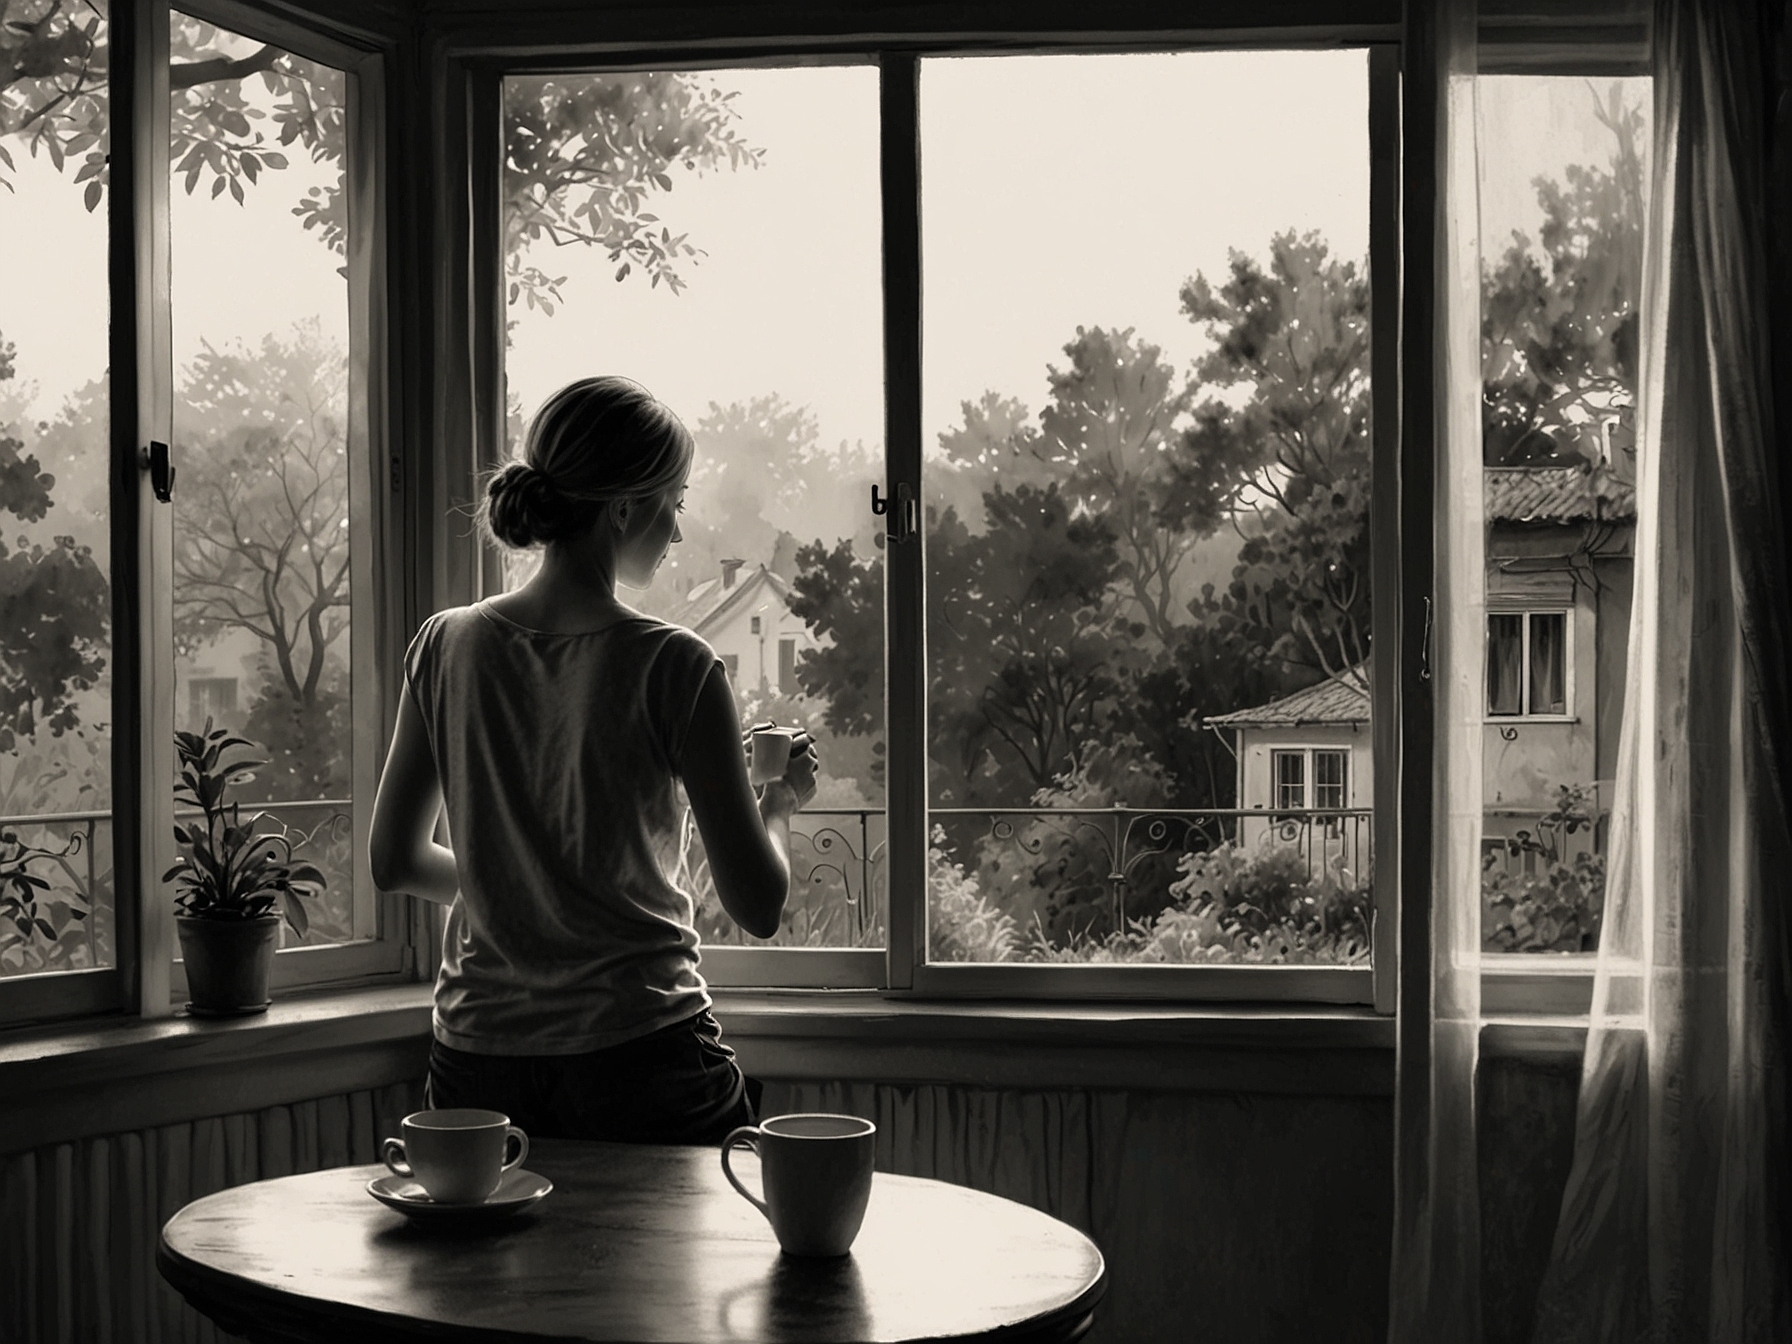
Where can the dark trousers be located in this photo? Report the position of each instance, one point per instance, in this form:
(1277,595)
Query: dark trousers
(679,1084)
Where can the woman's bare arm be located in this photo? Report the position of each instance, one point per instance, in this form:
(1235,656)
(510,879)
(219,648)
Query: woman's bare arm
(747,839)
(402,848)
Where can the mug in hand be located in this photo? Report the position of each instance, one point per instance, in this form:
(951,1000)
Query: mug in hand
(457,1156)
(771,753)
(816,1170)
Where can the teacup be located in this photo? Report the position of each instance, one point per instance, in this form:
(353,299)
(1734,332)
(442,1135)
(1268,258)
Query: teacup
(457,1156)
(816,1169)
(770,753)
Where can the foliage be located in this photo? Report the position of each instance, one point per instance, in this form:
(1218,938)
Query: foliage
(55,605)
(261,515)
(306,742)
(229,869)
(21,890)
(1559,321)
(1554,901)
(1289,464)
(962,923)
(584,155)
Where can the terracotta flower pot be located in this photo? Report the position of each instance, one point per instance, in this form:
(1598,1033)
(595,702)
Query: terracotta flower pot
(228,962)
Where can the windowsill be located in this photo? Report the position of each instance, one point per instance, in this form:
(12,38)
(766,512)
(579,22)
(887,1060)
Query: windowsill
(323,1042)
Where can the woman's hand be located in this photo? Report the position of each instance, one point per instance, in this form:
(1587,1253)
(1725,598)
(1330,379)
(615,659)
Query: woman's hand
(797,785)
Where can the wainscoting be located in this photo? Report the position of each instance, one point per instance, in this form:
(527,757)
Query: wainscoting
(77,1245)
(1239,1193)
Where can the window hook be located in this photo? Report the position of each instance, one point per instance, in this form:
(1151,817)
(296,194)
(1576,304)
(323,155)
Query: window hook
(161,471)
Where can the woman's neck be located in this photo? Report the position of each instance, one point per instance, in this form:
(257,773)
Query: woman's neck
(573,591)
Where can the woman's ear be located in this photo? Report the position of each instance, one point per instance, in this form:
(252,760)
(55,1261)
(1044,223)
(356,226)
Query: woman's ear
(618,509)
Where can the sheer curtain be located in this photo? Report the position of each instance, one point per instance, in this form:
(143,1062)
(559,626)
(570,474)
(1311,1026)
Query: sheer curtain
(1435,1272)
(1672,1225)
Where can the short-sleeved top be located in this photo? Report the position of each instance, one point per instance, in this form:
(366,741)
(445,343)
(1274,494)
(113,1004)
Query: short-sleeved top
(559,757)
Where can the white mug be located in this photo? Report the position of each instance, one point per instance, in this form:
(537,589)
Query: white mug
(771,753)
(457,1156)
(816,1169)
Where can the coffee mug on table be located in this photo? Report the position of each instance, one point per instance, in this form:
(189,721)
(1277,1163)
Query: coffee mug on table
(457,1156)
(771,753)
(816,1170)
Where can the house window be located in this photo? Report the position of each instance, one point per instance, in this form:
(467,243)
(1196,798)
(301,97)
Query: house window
(1527,663)
(731,661)
(269,215)
(1291,769)
(1046,671)
(211,698)
(1328,779)
(754,625)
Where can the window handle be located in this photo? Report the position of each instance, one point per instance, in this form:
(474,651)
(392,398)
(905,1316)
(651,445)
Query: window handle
(157,458)
(907,521)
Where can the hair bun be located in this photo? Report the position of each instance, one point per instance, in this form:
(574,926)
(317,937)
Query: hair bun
(523,507)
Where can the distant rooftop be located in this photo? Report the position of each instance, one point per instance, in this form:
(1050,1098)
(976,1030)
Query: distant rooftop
(1329,702)
(1578,494)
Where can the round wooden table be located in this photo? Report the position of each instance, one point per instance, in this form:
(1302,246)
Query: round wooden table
(637,1244)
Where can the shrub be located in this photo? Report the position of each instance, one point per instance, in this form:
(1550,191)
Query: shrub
(1556,902)
(962,923)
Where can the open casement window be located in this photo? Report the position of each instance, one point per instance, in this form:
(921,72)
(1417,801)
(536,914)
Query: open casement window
(208,174)
(1564,138)
(1096,502)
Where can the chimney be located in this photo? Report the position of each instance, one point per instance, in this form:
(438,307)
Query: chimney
(729,569)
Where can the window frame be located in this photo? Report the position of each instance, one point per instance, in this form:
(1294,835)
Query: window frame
(1517,985)
(147,978)
(1526,714)
(900,968)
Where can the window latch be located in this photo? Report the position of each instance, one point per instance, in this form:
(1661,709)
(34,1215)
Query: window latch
(906,522)
(157,458)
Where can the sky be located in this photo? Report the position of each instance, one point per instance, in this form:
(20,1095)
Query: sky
(1057,191)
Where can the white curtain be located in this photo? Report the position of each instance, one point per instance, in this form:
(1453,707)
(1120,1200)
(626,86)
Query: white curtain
(1672,1227)
(1435,1273)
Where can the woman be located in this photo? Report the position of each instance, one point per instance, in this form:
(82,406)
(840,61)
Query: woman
(553,725)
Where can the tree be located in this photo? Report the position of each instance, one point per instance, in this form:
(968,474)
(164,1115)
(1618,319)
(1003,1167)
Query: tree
(1289,462)
(261,516)
(762,484)
(1112,422)
(55,604)
(1559,345)
(584,155)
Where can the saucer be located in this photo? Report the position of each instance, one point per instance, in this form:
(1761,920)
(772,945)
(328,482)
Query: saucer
(517,1190)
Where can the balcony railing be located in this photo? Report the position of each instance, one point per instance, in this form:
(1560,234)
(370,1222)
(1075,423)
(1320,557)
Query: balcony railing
(73,852)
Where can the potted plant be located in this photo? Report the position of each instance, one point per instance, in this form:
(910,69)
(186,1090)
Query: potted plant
(230,878)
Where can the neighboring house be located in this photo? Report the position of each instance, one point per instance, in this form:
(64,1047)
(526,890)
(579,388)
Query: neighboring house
(219,681)
(1559,547)
(748,621)
(1309,750)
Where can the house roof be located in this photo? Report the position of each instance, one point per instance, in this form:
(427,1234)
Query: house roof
(709,604)
(1576,494)
(1329,702)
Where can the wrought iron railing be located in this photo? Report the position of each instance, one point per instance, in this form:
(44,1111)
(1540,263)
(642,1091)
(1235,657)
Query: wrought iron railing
(67,846)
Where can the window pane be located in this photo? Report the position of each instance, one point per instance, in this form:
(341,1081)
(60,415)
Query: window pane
(262,568)
(56,909)
(716,236)
(1505,658)
(1564,171)
(1291,779)
(1328,779)
(1548,694)
(1147,447)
